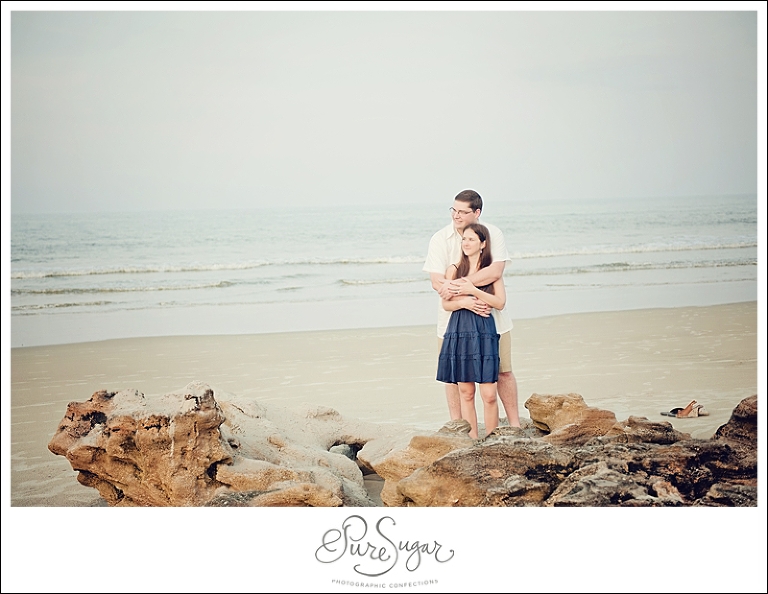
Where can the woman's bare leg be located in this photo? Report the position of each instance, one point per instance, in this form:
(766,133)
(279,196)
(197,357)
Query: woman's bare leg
(467,397)
(490,406)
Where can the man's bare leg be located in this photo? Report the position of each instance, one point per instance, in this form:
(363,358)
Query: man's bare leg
(454,402)
(507,387)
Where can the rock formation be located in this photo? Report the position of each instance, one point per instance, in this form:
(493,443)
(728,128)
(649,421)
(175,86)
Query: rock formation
(567,419)
(195,448)
(190,448)
(579,459)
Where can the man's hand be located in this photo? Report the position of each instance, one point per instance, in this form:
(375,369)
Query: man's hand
(464,286)
(448,290)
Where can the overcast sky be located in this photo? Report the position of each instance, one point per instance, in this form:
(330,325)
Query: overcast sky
(151,110)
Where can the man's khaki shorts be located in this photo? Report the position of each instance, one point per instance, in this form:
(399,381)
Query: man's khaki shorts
(505,351)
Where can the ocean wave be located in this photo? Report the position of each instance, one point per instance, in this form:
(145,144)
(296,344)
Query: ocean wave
(37,307)
(151,269)
(373,260)
(92,290)
(511,272)
(629,267)
(381,281)
(637,249)
(710,281)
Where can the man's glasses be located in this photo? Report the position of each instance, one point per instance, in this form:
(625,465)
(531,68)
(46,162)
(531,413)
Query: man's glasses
(460,212)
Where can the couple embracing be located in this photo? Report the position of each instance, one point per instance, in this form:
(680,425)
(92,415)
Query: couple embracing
(466,261)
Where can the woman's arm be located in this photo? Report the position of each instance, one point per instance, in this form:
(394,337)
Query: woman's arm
(467,302)
(500,291)
(497,300)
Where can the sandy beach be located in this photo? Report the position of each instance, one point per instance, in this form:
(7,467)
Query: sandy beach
(636,363)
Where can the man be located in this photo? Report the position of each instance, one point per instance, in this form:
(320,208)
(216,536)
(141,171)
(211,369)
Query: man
(444,250)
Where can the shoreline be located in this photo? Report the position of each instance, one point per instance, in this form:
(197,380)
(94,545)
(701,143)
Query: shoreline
(632,362)
(419,309)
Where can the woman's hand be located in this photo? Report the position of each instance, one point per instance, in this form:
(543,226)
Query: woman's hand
(479,307)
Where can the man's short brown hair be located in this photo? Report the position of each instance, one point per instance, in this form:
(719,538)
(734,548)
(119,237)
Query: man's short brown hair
(472,198)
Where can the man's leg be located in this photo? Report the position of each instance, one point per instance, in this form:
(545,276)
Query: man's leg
(507,384)
(507,387)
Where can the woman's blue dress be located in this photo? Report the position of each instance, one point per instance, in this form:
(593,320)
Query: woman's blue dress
(470,351)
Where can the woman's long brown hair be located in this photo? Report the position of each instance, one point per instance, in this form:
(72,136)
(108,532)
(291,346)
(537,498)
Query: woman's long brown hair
(485,258)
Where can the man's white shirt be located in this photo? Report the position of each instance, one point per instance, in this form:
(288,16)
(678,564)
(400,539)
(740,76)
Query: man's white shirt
(444,250)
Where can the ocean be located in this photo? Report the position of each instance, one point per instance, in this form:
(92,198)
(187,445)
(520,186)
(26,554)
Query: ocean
(99,275)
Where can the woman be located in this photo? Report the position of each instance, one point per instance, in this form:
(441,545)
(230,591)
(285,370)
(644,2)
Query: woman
(470,350)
